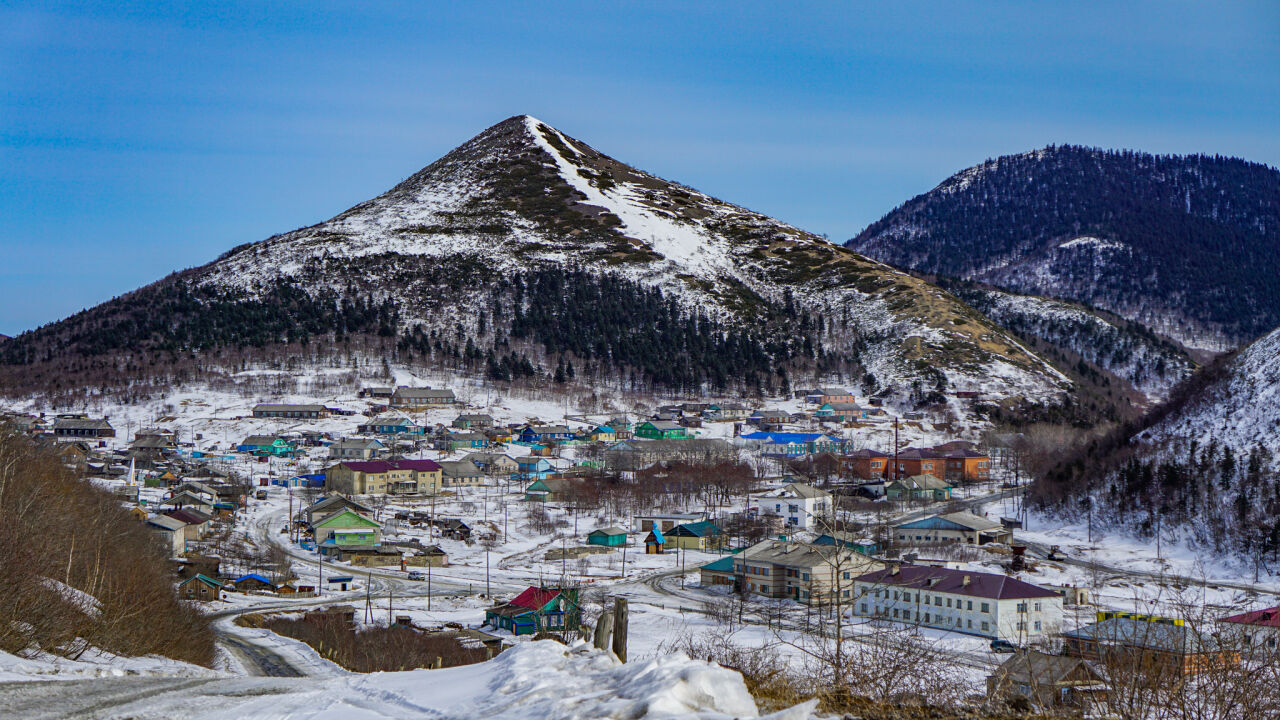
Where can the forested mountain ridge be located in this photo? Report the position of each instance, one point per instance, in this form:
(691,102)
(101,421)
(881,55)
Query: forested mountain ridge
(1074,335)
(1205,465)
(1189,246)
(525,248)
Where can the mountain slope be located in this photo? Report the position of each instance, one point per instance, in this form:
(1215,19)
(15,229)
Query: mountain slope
(1070,333)
(1205,465)
(1187,245)
(524,246)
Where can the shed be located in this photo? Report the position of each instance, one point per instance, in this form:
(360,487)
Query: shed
(609,537)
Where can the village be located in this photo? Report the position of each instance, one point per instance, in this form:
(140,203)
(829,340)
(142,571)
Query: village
(474,526)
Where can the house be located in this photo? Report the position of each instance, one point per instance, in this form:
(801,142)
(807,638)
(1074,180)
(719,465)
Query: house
(789,444)
(196,523)
(74,455)
(632,455)
(455,529)
(470,421)
(251,582)
(391,425)
(328,505)
(769,418)
(645,523)
(608,537)
(823,396)
(1047,681)
(854,542)
(1149,643)
(660,430)
(407,397)
(493,464)
(918,487)
(986,604)
(545,433)
(701,535)
(549,489)
(499,435)
(393,477)
(82,427)
(602,434)
(266,445)
(533,468)
(802,506)
(621,427)
(654,542)
(1256,632)
(537,609)
(186,499)
(356,449)
(346,528)
(808,574)
(910,462)
(717,572)
(962,465)
(460,473)
(266,410)
(381,393)
(865,464)
(200,587)
(840,412)
(450,441)
(962,527)
(171,532)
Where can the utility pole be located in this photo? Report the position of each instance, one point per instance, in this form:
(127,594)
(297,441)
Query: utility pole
(895,448)
(320,581)
(429,564)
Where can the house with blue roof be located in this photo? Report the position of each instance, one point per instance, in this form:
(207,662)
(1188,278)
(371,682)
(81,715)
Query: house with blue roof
(533,468)
(252,582)
(654,542)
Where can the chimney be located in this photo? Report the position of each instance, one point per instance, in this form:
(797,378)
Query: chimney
(894,568)
(965,581)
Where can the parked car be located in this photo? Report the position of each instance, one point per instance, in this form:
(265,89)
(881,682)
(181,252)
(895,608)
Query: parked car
(417,575)
(1003,646)
(261,494)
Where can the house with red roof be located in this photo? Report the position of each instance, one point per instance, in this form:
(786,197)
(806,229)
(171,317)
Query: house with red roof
(535,610)
(974,603)
(1256,632)
(376,477)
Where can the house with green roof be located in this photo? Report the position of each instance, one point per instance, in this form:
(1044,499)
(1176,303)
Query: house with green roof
(346,529)
(660,430)
(200,587)
(608,537)
(717,572)
(702,535)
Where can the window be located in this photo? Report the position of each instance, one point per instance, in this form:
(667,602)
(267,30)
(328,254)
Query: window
(846,574)
(926,617)
(1022,625)
(1037,626)
(864,610)
(985,627)
(764,588)
(985,608)
(1022,607)
(969,624)
(937,601)
(970,604)
(1037,607)
(948,602)
(804,576)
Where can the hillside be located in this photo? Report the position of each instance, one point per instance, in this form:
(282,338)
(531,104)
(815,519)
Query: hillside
(1189,246)
(1202,465)
(523,248)
(1085,339)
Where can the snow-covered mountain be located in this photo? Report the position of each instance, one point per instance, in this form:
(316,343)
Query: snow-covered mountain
(1238,408)
(1068,332)
(1189,246)
(525,246)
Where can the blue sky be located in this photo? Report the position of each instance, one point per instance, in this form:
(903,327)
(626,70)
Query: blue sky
(141,138)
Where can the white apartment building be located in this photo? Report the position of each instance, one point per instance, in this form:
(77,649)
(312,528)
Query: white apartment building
(986,604)
(802,506)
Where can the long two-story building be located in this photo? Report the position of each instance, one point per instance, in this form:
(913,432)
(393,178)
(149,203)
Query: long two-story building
(393,477)
(986,604)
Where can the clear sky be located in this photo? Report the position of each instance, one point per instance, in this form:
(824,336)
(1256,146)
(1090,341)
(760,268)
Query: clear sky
(141,138)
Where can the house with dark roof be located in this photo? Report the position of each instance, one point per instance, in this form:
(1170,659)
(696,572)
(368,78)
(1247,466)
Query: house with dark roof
(356,449)
(535,610)
(409,397)
(473,421)
(82,428)
(545,433)
(986,604)
(865,464)
(460,473)
(1047,682)
(269,410)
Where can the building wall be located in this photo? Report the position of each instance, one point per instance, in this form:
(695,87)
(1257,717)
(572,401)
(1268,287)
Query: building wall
(987,617)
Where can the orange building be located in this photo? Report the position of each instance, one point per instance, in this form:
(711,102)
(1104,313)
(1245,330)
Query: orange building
(965,466)
(865,465)
(918,461)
